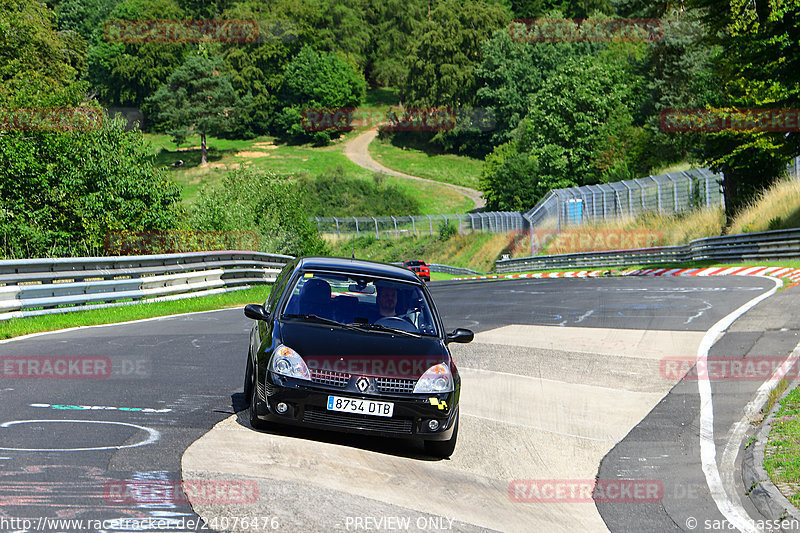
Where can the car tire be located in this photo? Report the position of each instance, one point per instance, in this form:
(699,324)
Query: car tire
(255,422)
(443,448)
(248,378)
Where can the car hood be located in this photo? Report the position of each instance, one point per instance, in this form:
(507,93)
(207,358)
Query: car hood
(327,348)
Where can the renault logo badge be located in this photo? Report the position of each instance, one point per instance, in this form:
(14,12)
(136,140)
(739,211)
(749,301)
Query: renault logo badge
(362,384)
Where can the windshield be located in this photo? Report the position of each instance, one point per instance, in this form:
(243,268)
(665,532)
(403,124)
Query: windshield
(374,304)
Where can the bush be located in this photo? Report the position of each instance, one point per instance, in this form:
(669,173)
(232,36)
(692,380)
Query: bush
(334,193)
(255,200)
(446,230)
(60,189)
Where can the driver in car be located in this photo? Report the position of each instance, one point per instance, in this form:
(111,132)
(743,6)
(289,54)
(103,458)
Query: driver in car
(386,299)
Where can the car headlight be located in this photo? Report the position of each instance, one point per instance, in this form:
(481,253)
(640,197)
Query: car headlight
(436,379)
(287,362)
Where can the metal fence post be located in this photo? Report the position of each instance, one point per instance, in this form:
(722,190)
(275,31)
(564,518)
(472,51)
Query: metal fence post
(658,193)
(431,221)
(459,224)
(358,233)
(604,202)
(377,235)
(337,226)
(708,194)
(690,203)
(630,199)
(413,226)
(395,227)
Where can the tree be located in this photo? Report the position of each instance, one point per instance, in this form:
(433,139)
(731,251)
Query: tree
(513,70)
(578,131)
(316,80)
(446,51)
(84,17)
(32,53)
(198,98)
(126,74)
(257,68)
(394,24)
(758,67)
(678,70)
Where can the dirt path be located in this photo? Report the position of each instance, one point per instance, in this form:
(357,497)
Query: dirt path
(357,150)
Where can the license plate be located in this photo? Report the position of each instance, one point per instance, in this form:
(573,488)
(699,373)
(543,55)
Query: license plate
(361,407)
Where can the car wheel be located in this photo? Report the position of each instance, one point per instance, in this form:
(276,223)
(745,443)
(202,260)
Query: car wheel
(255,422)
(248,378)
(442,448)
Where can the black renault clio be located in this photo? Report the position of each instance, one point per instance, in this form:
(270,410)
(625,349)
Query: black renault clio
(354,346)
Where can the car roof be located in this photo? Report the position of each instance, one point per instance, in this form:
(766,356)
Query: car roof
(357,266)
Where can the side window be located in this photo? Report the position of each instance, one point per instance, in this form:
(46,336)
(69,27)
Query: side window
(278,287)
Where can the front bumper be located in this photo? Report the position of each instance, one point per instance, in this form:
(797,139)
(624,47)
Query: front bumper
(307,402)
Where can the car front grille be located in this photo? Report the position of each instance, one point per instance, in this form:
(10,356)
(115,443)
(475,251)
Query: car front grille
(395,385)
(330,377)
(315,415)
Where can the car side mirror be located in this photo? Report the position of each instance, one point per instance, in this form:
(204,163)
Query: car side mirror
(460,335)
(256,312)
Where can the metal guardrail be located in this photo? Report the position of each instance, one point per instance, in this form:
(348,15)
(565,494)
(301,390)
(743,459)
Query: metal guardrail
(408,225)
(447,269)
(457,271)
(767,245)
(31,287)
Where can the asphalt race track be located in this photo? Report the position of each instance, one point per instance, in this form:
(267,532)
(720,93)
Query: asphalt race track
(564,383)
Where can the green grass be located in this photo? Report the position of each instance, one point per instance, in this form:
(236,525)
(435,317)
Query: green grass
(382,97)
(783,465)
(476,251)
(778,207)
(264,153)
(427,163)
(23,326)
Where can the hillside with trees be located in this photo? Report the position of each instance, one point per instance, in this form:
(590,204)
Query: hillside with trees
(562,112)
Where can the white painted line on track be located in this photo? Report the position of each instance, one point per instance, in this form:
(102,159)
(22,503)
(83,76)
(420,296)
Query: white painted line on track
(163,317)
(739,429)
(152,436)
(735,514)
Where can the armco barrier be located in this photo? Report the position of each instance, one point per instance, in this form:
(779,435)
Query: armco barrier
(30,287)
(767,245)
(447,269)
(457,271)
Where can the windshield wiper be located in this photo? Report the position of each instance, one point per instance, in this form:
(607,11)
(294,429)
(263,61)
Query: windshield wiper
(317,318)
(381,327)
